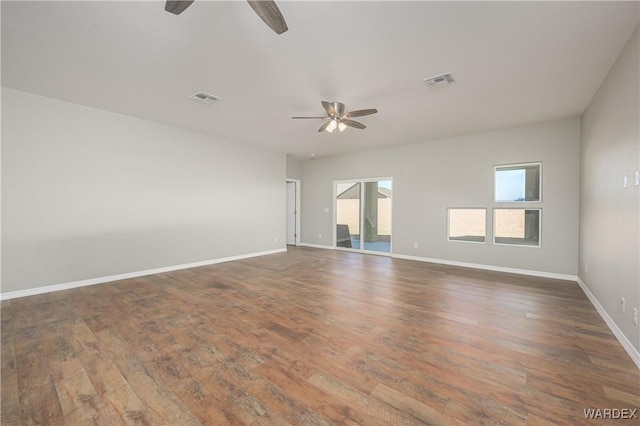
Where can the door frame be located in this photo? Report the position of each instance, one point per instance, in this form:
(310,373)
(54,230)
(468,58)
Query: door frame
(335,214)
(297,212)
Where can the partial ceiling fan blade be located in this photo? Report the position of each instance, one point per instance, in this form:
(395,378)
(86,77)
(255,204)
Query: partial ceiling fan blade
(352,123)
(329,108)
(177,6)
(324,126)
(361,113)
(268,11)
(309,118)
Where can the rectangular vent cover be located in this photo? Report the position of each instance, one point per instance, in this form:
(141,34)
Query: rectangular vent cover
(205,98)
(439,80)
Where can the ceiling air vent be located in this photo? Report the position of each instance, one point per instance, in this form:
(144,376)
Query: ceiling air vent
(439,80)
(205,98)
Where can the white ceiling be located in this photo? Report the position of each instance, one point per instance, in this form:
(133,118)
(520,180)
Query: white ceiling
(514,63)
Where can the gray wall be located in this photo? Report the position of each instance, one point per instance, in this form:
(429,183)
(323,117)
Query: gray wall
(87,193)
(294,168)
(610,214)
(458,172)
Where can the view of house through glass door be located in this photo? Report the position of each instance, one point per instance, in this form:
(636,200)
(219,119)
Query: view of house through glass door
(363,214)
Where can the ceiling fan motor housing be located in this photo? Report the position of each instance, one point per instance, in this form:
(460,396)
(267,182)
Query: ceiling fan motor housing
(338,107)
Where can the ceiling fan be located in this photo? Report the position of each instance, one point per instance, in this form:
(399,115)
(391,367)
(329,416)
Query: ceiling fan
(338,119)
(267,10)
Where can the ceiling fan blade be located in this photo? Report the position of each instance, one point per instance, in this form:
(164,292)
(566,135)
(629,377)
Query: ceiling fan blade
(361,112)
(352,123)
(303,118)
(268,11)
(177,6)
(328,106)
(324,126)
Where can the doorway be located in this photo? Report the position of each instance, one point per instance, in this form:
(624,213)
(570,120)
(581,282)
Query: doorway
(293,212)
(363,215)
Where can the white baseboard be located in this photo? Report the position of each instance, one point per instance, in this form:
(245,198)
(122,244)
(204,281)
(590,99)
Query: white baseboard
(489,267)
(626,344)
(316,246)
(101,280)
(541,274)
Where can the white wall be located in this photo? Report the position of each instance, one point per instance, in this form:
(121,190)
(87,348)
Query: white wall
(458,172)
(88,193)
(294,168)
(610,214)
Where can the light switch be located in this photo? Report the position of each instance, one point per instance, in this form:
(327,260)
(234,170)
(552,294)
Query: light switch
(625,181)
(637,177)
(326,209)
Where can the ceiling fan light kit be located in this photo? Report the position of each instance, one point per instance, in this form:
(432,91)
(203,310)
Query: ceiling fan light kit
(335,124)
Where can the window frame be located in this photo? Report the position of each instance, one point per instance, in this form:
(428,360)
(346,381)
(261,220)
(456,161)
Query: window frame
(515,166)
(466,241)
(539,209)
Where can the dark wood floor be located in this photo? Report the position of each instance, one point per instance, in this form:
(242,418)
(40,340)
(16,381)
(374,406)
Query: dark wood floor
(313,337)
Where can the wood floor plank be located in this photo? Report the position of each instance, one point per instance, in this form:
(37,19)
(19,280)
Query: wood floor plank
(148,388)
(405,403)
(385,414)
(632,399)
(313,337)
(404,378)
(286,377)
(78,399)
(188,368)
(112,387)
(188,371)
(10,403)
(39,402)
(277,401)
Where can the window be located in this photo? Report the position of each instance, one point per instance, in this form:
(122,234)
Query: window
(467,224)
(517,227)
(518,183)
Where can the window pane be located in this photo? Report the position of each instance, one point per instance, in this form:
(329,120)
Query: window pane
(517,183)
(377,216)
(517,227)
(348,215)
(467,225)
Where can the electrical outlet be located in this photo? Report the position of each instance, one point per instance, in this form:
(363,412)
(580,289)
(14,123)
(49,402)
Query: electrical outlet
(276,239)
(637,179)
(586,268)
(319,236)
(415,245)
(622,304)
(625,181)
(635,316)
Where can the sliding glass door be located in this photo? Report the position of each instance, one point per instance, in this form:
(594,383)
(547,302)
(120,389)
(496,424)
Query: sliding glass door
(363,215)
